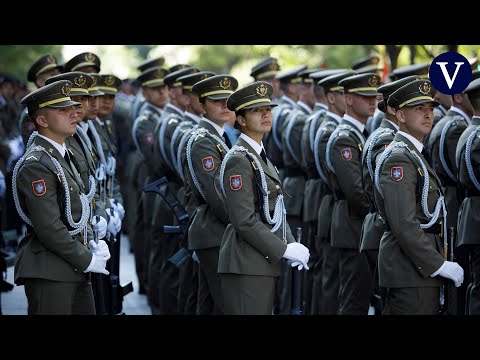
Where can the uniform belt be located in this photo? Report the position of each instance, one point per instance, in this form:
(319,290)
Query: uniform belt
(436,229)
(293,172)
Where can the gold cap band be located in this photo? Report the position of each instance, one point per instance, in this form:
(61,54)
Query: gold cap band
(82,90)
(362,89)
(256,101)
(266,74)
(45,68)
(84,64)
(108,88)
(336,88)
(154,81)
(415,99)
(56,101)
(217,92)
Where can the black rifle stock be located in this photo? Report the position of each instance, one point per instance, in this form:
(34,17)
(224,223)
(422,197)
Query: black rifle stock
(161,188)
(297,284)
(450,306)
(97,280)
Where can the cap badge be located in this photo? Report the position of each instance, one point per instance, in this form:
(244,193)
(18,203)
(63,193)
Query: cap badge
(159,73)
(89,57)
(80,81)
(94,82)
(109,80)
(425,88)
(262,90)
(204,76)
(373,81)
(66,89)
(51,59)
(225,83)
(273,66)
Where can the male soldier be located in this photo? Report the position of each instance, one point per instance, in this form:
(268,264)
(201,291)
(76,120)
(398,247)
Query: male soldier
(372,228)
(172,116)
(467,161)
(368,64)
(53,258)
(148,256)
(80,151)
(343,154)
(412,205)
(266,69)
(325,278)
(86,62)
(189,278)
(441,147)
(139,98)
(45,67)
(312,186)
(273,140)
(206,149)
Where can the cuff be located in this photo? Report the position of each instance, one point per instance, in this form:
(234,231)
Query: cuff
(92,264)
(438,271)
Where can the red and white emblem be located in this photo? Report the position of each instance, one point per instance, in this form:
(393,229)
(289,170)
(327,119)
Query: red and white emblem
(236,182)
(397,173)
(39,187)
(208,163)
(346,154)
(149,138)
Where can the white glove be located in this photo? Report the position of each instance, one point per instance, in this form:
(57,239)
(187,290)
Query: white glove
(298,254)
(99,223)
(118,207)
(195,257)
(451,270)
(114,223)
(97,265)
(101,249)
(3,185)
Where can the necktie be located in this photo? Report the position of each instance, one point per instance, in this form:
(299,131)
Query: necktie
(264,156)
(365,132)
(67,158)
(227,140)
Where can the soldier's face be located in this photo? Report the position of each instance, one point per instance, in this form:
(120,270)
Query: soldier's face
(256,121)
(217,111)
(40,81)
(92,108)
(362,106)
(81,109)
(106,104)
(195,105)
(157,96)
(59,123)
(416,120)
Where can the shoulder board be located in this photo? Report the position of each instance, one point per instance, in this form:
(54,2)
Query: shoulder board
(172,121)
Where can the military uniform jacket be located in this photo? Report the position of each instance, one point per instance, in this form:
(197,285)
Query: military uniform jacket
(108,149)
(248,246)
(84,162)
(49,251)
(171,118)
(456,125)
(273,140)
(324,214)
(312,193)
(407,255)
(295,177)
(372,229)
(351,206)
(211,217)
(469,213)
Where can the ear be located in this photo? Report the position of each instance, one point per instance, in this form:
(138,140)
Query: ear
(330,98)
(41,120)
(400,116)
(348,99)
(390,110)
(241,120)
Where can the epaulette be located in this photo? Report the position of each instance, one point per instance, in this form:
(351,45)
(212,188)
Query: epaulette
(143,118)
(173,120)
(398,150)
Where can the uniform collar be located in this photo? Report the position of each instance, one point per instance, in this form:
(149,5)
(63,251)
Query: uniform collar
(255,146)
(99,122)
(334,116)
(173,109)
(60,147)
(84,125)
(461,112)
(355,122)
(304,107)
(192,116)
(393,124)
(288,100)
(219,129)
(418,145)
(320,106)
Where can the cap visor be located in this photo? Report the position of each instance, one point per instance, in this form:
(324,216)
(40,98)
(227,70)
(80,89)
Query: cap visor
(260,104)
(418,102)
(96,93)
(218,96)
(63,104)
(367,93)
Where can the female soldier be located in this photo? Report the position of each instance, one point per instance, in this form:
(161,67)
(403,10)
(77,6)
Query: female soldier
(258,236)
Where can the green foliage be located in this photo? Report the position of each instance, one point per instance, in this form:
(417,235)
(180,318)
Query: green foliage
(17,59)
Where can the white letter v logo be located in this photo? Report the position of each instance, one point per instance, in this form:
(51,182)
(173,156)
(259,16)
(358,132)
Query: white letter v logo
(446,76)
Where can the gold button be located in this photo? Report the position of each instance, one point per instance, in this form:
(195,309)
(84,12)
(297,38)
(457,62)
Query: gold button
(284,240)
(266,257)
(419,268)
(277,186)
(71,189)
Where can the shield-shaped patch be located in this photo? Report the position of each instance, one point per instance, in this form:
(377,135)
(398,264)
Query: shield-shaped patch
(236,182)
(396,173)
(208,163)
(149,138)
(39,187)
(346,154)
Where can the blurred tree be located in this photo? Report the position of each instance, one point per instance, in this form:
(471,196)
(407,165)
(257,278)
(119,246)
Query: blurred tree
(17,59)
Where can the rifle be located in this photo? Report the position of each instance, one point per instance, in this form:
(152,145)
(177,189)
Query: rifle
(297,284)
(450,299)
(97,282)
(161,188)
